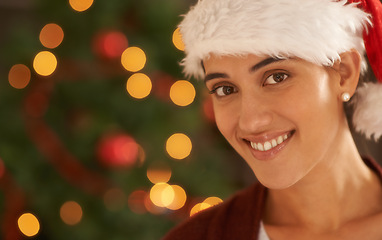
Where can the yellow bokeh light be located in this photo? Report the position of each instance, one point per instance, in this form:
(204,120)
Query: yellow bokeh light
(45,63)
(180,198)
(139,85)
(179,146)
(51,35)
(159,173)
(212,201)
(28,224)
(159,196)
(168,196)
(177,40)
(71,213)
(81,5)
(199,207)
(182,93)
(133,59)
(19,76)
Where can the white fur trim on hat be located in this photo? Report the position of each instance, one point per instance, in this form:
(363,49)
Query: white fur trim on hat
(367,117)
(315,30)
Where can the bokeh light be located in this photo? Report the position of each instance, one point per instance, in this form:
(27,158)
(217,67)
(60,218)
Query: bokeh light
(161,195)
(199,207)
(45,63)
(179,199)
(151,207)
(177,40)
(136,201)
(139,85)
(19,76)
(71,213)
(110,44)
(133,59)
(51,35)
(114,199)
(158,172)
(118,150)
(182,93)
(212,201)
(80,5)
(207,203)
(179,146)
(29,224)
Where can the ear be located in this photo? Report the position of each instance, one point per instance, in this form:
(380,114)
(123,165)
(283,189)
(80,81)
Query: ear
(348,68)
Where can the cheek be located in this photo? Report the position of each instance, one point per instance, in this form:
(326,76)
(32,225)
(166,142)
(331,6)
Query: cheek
(226,119)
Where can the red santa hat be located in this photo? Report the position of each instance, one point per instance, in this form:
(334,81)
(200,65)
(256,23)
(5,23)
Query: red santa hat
(315,30)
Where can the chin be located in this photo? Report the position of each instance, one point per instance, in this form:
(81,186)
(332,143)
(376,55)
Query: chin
(276,182)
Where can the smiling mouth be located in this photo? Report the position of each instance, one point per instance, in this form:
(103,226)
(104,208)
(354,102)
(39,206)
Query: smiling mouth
(269,145)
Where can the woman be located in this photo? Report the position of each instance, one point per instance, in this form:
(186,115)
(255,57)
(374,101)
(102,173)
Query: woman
(279,72)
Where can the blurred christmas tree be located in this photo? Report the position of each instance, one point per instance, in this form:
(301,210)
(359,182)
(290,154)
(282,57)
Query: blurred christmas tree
(99,136)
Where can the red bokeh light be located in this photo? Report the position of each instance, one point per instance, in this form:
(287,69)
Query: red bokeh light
(119,150)
(110,44)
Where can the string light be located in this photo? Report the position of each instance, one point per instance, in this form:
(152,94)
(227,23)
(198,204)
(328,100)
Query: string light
(51,35)
(133,59)
(182,93)
(71,213)
(179,146)
(80,5)
(28,224)
(45,63)
(157,173)
(19,76)
(139,85)
(177,40)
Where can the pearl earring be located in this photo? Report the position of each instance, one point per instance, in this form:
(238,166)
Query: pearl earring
(345,97)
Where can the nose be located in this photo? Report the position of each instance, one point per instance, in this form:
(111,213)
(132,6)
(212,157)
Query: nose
(255,113)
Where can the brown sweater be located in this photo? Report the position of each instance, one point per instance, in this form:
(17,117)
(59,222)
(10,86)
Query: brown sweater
(236,219)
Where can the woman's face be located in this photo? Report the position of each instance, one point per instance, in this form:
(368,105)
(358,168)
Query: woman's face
(284,117)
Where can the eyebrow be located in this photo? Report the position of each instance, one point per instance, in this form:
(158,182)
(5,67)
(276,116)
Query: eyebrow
(255,68)
(264,63)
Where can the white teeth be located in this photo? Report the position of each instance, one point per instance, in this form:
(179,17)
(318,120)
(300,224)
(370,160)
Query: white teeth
(268,145)
(260,147)
(280,139)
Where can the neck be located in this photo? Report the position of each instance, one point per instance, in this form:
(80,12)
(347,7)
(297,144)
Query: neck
(332,194)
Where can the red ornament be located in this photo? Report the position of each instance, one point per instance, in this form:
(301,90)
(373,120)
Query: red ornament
(110,44)
(119,150)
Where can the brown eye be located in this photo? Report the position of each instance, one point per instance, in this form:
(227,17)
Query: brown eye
(223,91)
(275,78)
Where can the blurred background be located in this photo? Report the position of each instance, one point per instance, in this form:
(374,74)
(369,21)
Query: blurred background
(101,137)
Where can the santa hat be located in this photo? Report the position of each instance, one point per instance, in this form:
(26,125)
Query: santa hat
(315,30)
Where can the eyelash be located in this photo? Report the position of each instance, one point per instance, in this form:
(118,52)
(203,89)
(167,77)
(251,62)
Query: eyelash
(284,75)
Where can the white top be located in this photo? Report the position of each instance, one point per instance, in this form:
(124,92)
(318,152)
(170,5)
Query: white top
(262,233)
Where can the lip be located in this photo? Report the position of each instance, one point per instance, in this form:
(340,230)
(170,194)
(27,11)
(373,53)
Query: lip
(270,154)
